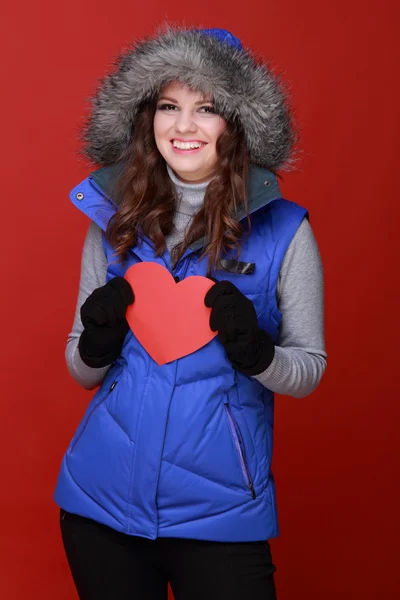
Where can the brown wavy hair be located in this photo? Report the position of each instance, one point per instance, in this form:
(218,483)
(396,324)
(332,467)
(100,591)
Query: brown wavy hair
(149,200)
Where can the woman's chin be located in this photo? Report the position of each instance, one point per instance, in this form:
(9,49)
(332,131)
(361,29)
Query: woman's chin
(191,173)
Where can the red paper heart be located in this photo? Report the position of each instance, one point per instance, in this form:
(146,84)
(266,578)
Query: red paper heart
(169,319)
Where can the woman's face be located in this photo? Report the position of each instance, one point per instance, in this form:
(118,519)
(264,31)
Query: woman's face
(186,131)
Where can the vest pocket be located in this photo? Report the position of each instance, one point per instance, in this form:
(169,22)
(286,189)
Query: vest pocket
(96,406)
(240,449)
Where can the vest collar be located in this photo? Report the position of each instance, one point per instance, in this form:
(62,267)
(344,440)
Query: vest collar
(262,188)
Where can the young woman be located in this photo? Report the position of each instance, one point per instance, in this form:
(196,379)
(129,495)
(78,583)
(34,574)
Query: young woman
(168,476)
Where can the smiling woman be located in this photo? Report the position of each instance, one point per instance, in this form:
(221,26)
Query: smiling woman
(186,131)
(168,477)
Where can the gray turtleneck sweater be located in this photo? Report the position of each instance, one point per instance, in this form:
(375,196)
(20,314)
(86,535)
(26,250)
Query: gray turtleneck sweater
(300,357)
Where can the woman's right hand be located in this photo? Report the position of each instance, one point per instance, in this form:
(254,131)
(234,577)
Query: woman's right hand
(108,304)
(104,322)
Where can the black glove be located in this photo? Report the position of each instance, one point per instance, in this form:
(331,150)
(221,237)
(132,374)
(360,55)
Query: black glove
(104,322)
(249,348)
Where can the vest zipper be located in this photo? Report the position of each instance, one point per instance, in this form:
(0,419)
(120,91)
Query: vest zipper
(114,383)
(239,445)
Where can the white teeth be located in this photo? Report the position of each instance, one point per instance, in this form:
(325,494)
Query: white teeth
(186,145)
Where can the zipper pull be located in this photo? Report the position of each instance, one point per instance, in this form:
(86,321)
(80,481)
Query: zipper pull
(114,383)
(253,494)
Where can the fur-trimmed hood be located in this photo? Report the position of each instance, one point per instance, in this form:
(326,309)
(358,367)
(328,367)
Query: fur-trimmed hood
(242,88)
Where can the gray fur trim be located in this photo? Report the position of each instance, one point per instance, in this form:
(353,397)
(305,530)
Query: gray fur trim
(242,87)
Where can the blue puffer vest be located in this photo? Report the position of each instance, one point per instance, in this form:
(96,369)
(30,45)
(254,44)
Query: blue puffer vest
(184,449)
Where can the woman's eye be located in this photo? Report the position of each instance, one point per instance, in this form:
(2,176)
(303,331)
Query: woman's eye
(207,109)
(172,108)
(167,107)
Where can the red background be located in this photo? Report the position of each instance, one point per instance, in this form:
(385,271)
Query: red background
(337,451)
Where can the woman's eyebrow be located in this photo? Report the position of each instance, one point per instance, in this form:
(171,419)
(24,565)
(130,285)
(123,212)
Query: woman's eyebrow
(168,99)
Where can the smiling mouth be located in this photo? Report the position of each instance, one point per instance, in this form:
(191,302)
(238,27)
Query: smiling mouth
(187,146)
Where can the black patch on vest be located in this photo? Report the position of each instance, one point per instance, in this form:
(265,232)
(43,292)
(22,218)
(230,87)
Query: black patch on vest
(237,266)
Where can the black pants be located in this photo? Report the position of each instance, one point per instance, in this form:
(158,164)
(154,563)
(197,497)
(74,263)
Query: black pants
(108,565)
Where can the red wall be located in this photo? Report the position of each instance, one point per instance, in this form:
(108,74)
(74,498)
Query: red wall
(340,516)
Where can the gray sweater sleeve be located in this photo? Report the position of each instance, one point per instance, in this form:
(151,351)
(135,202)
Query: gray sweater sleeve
(300,357)
(93,275)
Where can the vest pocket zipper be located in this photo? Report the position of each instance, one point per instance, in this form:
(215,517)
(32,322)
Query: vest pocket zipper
(114,383)
(239,445)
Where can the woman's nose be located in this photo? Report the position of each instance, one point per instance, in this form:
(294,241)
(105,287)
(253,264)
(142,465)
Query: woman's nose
(185,122)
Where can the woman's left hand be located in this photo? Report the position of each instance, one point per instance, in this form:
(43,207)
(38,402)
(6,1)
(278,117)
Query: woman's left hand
(249,348)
